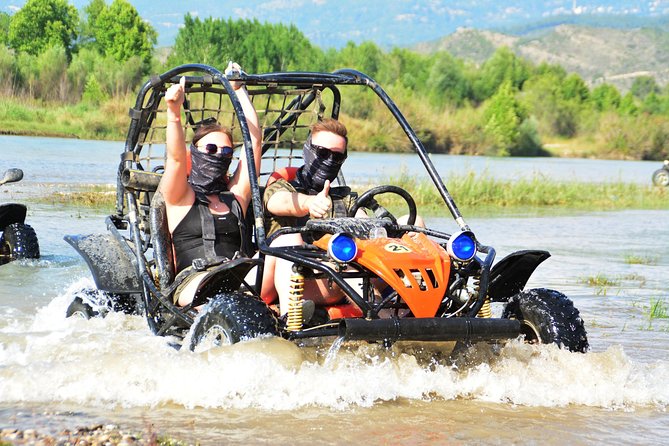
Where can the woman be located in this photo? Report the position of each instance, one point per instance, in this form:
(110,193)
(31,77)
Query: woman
(207,184)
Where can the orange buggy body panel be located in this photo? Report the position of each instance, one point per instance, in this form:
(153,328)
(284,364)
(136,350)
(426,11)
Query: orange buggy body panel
(414,266)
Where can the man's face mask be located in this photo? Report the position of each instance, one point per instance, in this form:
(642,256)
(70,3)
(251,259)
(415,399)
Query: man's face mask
(209,169)
(320,164)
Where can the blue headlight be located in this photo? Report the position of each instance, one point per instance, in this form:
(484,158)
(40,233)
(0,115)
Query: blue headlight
(462,246)
(342,248)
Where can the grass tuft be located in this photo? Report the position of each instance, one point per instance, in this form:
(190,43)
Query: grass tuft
(640,260)
(659,309)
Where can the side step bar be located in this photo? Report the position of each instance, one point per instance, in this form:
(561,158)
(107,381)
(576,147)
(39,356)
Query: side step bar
(429,329)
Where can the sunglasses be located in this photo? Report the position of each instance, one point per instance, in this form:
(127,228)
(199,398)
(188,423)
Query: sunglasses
(212,149)
(325,153)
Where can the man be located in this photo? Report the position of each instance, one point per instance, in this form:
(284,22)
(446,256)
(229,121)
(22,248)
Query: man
(292,203)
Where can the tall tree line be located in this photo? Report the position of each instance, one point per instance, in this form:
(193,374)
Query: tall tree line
(507,106)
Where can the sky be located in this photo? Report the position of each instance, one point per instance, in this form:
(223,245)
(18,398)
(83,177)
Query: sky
(332,23)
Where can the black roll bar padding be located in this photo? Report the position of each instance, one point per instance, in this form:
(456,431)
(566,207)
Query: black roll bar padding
(140,180)
(429,329)
(418,145)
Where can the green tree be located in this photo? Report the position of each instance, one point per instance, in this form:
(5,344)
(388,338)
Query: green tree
(447,82)
(407,69)
(503,116)
(605,97)
(120,32)
(42,24)
(555,98)
(643,86)
(628,105)
(503,66)
(574,89)
(652,104)
(93,93)
(256,47)
(366,57)
(88,22)
(8,71)
(51,67)
(4,28)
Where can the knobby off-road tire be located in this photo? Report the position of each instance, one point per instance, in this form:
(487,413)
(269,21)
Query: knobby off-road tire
(548,317)
(103,303)
(19,241)
(78,308)
(661,177)
(230,318)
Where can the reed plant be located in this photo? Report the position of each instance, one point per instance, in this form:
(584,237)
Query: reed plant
(634,259)
(476,192)
(25,116)
(659,309)
(98,197)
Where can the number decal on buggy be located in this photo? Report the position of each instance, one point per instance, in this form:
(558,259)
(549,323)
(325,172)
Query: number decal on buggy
(396,247)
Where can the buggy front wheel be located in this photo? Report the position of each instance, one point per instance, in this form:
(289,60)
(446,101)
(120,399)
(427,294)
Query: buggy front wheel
(19,241)
(79,309)
(548,317)
(230,318)
(661,177)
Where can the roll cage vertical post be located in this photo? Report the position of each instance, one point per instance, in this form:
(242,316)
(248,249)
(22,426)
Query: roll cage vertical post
(418,146)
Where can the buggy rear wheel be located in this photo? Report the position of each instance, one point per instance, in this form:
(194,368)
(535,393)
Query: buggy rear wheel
(661,177)
(19,241)
(230,318)
(79,309)
(91,302)
(548,317)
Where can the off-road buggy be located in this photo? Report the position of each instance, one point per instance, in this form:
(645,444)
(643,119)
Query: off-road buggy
(18,240)
(440,285)
(661,176)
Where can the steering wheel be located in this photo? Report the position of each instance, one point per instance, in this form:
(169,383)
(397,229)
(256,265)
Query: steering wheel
(366,200)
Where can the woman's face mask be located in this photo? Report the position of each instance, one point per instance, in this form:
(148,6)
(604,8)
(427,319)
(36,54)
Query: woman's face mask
(209,169)
(320,164)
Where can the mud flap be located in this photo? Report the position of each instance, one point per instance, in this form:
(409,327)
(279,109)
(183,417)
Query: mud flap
(510,275)
(12,213)
(111,266)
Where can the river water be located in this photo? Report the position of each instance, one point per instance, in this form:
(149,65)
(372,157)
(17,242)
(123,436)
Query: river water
(57,373)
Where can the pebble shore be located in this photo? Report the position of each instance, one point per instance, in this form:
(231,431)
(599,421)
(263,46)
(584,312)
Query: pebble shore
(99,435)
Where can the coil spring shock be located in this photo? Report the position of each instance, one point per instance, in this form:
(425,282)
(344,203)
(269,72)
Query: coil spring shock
(486,309)
(294,321)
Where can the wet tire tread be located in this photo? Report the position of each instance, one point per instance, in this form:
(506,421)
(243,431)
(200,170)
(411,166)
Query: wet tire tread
(554,315)
(243,317)
(19,241)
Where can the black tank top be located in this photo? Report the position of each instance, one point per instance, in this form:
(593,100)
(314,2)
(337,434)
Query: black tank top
(187,237)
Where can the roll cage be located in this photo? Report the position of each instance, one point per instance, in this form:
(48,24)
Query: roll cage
(289,97)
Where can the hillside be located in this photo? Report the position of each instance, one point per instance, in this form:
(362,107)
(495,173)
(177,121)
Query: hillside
(615,56)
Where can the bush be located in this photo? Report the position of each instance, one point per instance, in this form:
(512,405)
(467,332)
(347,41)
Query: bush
(634,137)
(93,93)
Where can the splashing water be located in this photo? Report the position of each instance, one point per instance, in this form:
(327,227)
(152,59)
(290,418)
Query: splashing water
(333,350)
(117,361)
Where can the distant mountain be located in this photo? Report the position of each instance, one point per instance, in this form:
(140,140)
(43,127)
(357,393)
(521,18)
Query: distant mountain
(598,55)
(332,23)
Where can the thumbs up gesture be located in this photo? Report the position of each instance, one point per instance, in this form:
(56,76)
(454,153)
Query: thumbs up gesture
(320,204)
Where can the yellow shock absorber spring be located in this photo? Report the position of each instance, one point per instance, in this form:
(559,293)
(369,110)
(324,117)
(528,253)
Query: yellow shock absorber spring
(486,309)
(294,321)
